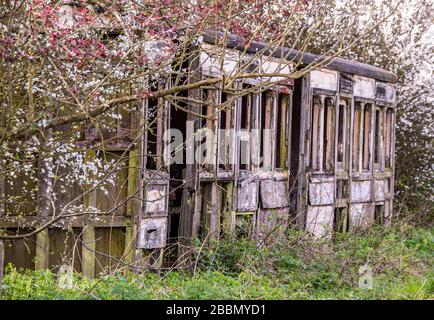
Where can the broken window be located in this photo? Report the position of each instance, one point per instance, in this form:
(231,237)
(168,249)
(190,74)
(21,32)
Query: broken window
(328,134)
(389,136)
(322,147)
(226,132)
(266,148)
(281,130)
(378,137)
(208,125)
(342,133)
(154,114)
(247,112)
(366,137)
(356,135)
(316,110)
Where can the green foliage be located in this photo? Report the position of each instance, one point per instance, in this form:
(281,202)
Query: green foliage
(297,267)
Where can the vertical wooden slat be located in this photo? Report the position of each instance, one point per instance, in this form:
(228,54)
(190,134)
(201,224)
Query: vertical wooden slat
(315,133)
(283,136)
(2,195)
(228,208)
(321,133)
(42,243)
(160,125)
(88,251)
(133,173)
(44,209)
(2,262)
(267,135)
(361,137)
(214,222)
(88,248)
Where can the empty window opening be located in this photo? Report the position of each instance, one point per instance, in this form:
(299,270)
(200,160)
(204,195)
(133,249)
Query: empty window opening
(245,126)
(328,135)
(378,137)
(388,139)
(316,108)
(226,132)
(356,135)
(266,147)
(152,127)
(341,129)
(206,143)
(322,146)
(366,137)
(281,130)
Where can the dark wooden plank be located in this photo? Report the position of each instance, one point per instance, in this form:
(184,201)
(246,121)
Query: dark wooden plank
(21,252)
(109,248)
(65,248)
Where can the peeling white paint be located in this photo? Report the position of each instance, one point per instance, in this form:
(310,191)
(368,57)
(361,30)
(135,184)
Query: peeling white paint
(324,79)
(319,221)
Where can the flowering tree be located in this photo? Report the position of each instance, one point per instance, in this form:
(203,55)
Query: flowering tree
(73,72)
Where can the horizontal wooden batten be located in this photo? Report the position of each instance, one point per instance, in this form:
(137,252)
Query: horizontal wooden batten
(35,221)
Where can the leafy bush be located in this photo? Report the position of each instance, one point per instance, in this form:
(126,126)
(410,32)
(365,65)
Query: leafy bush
(297,268)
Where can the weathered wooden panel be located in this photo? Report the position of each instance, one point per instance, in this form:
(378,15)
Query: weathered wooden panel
(274,194)
(21,193)
(248,196)
(390,93)
(64,248)
(152,233)
(361,217)
(385,91)
(156,200)
(321,193)
(379,190)
(319,220)
(271,222)
(110,197)
(21,252)
(364,87)
(270,65)
(361,191)
(324,79)
(388,212)
(215,61)
(110,248)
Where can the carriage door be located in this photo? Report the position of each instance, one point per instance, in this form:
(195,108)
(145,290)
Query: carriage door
(153,220)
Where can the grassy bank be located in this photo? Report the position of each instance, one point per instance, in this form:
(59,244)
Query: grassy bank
(296,267)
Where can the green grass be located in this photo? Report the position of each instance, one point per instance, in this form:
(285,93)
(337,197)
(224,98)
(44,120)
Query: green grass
(295,267)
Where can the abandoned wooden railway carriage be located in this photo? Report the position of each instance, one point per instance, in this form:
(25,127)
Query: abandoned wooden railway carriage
(315,152)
